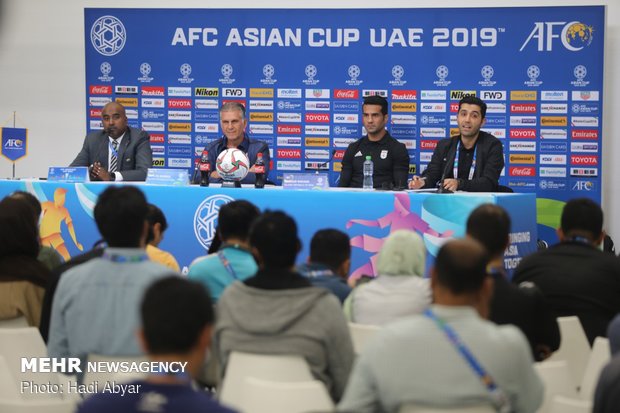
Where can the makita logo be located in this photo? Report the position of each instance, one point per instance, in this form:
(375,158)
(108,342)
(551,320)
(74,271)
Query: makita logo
(126,90)
(100,90)
(346,94)
(289,153)
(404,94)
(523,108)
(522,171)
(289,129)
(460,94)
(583,160)
(317,117)
(207,91)
(180,103)
(233,92)
(153,91)
(584,134)
(493,95)
(428,144)
(523,133)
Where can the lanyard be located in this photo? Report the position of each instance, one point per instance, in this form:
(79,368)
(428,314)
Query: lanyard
(114,151)
(581,240)
(124,258)
(225,262)
(500,400)
(472,168)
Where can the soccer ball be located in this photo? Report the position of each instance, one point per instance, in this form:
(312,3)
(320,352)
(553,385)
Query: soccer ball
(232,164)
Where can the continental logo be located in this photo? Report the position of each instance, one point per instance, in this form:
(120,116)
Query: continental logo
(460,94)
(404,107)
(159,162)
(261,92)
(522,158)
(523,95)
(553,121)
(261,117)
(317,141)
(130,102)
(454,131)
(412,169)
(179,127)
(207,91)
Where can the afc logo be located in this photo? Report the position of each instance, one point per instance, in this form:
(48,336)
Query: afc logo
(574,35)
(583,186)
(14,144)
(205,218)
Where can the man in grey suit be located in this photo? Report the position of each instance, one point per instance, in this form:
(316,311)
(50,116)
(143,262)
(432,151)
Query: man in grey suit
(118,152)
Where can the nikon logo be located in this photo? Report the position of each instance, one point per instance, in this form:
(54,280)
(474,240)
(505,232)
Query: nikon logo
(460,94)
(207,91)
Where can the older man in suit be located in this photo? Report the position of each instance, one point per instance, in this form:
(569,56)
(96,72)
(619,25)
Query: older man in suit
(118,152)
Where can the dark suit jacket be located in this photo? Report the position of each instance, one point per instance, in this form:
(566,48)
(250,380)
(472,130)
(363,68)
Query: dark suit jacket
(134,154)
(489,163)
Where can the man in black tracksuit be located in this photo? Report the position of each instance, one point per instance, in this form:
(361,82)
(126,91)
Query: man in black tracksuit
(389,156)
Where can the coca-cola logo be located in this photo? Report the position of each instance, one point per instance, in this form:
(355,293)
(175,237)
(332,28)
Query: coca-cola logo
(100,90)
(346,94)
(522,171)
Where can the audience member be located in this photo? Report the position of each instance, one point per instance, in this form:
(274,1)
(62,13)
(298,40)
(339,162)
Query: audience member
(278,311)
(613,333)
(95,308)
(157,226)
(47,255)
(522,306)
(399,288)
(450,356)
(22,276)
(329,262)
(607,394)
(576,277)
(233,260)
(177,321)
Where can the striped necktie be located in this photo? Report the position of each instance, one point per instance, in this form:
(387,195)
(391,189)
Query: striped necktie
(114,157)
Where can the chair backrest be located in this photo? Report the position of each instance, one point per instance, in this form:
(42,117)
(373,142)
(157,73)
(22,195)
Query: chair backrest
(266,396)
(38,406)
(563,404)
(555,376)
(101,377)
(15,322)
(599,357)
(361,334)
(18,343)
(8,386)
(412,408)
(282,368)
(574,348)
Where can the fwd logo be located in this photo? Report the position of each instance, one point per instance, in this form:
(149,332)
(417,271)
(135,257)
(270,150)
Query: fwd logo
(493,95)
(236,92)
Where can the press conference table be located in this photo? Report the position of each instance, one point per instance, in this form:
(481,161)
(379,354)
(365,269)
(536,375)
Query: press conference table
(367,216)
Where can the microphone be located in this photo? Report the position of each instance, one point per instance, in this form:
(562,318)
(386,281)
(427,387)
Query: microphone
(205,167)
(324,164)
(441,189)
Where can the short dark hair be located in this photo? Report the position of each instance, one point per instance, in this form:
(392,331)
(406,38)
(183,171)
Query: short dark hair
(19,235)
(582,216)
(474,100)
(460,265)
(330,247)
(489,224)
(377,100)
(235,219)
(274,235)
(120,214)
(30,200)
(174,312)
(154,215)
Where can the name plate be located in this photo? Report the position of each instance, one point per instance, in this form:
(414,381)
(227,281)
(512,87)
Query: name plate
(69,174)
(178,177)
(305,181)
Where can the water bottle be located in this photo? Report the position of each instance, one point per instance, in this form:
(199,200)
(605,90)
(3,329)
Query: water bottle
(259,171)
(368,171)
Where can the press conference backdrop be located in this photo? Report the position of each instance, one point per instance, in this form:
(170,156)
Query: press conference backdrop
(302,75)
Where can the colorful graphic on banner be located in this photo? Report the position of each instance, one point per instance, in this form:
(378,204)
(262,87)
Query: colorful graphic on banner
(540,70)
(14,143)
